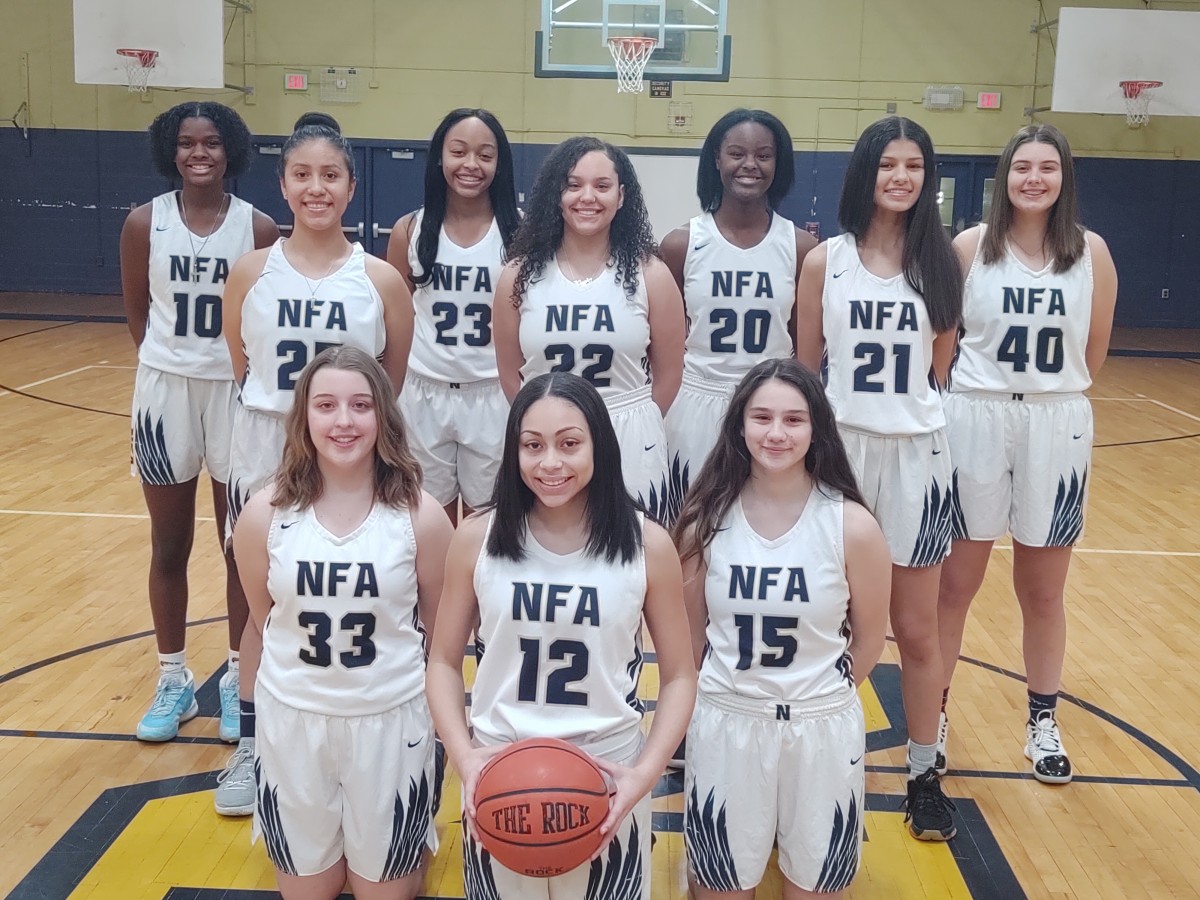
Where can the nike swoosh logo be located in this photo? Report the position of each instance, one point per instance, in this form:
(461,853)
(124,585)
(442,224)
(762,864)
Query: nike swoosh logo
(841,273)
(1077,436)
(161,227)
(854,762)
(283,525)
(701,245)
(412,744)
(650,447)
(937,452)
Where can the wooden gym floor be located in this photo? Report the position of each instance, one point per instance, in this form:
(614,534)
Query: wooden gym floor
(89,812)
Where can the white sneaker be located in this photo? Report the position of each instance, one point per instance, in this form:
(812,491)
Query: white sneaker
(230,729)
(1044,748)
(943,733)
(235,786)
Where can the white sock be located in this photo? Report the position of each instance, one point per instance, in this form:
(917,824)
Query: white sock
(921,758)
(174,664)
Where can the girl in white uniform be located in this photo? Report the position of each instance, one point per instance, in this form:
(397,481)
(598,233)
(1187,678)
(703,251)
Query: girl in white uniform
(585,293)
(342,561)
(882,301)
(563,516)
(176,253)
(283,306)
(1037,316)
(786,583)
(737,265)
(450,252)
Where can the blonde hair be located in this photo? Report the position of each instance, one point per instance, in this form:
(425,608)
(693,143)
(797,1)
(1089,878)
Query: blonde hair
(397,475)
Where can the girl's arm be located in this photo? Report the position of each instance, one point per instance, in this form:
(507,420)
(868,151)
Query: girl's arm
(245,272)
(135,270)
(667,329)
(266,232)
(433,532)
(674,249)
(869,573)
(1104,303)
(444,685)
(810,330)
(506,332)
(663,611)
(397,318)
(397,249)
(695,571)
(250,550)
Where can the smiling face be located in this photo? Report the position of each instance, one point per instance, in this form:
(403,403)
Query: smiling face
(900,177)
(200,152)
(1035,177)
(317,184)
(746,161)
(469,157)
(777,426)
(592,195)
(342,420)
(555,452)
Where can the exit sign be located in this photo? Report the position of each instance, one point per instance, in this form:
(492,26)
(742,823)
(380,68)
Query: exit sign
(988,100)
(295,81)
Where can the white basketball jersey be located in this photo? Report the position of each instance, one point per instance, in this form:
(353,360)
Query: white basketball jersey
(562,649)
(288,319)
(1024,332)
(187,280)
(778,611)
(593,330)
(880,347)
(452,328)
(739,301)
(343,638)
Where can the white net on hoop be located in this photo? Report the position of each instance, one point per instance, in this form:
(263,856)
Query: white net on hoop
(1137,101)
(630,55)
(138,66)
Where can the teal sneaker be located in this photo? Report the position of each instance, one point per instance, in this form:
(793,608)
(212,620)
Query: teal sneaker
(235,786)
(174,703)
(231,711)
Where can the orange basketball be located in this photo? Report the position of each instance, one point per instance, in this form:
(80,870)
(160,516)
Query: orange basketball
(539,806)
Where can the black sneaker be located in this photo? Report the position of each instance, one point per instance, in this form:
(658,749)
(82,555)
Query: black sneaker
(1044,748)
(927,810)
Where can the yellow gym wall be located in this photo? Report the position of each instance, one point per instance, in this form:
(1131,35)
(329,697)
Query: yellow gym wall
(826,68)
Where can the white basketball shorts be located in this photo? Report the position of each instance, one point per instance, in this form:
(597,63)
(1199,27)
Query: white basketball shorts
(254,454)
(760,773)
(642,436)
(180,425)
(359,787)
(906,481)
(1021,465)
(693,423)
(456,431)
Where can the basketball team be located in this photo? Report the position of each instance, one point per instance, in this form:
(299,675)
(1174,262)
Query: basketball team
(761,447)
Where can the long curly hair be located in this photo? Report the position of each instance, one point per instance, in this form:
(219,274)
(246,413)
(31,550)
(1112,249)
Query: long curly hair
(164,132)
(541,231)
(397,476)
(502,192)
(727,469)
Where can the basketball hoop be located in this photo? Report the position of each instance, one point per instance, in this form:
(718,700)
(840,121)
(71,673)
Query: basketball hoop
(630,54)
(138,65)
(1137,101)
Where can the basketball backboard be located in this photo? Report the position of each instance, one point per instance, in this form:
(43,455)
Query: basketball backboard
(1099,48)
(188,35)
(693,43)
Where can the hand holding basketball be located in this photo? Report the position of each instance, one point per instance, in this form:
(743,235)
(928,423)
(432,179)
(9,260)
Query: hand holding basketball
(629,785)
(469,766)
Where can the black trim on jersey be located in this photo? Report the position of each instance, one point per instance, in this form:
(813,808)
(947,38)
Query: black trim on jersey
(235,500)
(150,451)
(410,829)
(841,860)
(271,824)
(634,670)
(845,662)
(620,876)
(680,476)
(478,881)
(658,503)
(933,538)
(707,842)
(1067,523)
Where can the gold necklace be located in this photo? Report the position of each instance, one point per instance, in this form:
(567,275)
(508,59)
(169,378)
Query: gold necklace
(191,243)
(569,271)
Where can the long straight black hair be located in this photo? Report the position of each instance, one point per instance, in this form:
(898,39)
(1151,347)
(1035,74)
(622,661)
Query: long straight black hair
(613,530)
(709,189)
(931,267)
(727,469)
(502,192)
(1064,234)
